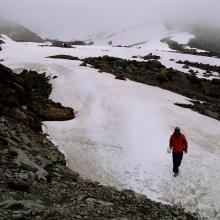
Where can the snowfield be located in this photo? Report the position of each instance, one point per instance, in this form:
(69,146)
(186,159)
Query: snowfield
(122,128)
(131,36)
(182,37)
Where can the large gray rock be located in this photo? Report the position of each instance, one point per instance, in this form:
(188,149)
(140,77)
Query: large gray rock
(93,201)
(20,204)
(23,160)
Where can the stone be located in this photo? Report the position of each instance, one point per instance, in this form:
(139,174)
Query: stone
(69,173)
(120,77)
(140,197)
(211,113)
(3,141)
(129,70)
(215,81)
(83,64)
(186,66)
(55,157)
(165,75)
(154,64)
(27,141)
(67,57)
(93,201)
(150,56)
(20,204)
(23,175)
(48,110)
(23,160)
(19,184)
(191,71)
(81,197)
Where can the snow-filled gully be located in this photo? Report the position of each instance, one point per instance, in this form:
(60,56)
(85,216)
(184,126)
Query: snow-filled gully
(121,134)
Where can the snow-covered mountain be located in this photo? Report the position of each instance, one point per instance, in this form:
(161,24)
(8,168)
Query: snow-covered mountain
(122,128)
(17,32)
(131,36)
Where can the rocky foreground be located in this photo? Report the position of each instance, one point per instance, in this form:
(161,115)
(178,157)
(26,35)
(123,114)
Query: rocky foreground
(35,182)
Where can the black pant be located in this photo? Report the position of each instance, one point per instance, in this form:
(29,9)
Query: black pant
(177,159)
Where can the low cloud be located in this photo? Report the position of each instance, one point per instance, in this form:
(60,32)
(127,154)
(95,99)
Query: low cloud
(69,19)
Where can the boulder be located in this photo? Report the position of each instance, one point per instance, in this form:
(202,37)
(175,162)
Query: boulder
(3,141)
(66,57)
(48,110)
(120,77)
(129,69)
(194,79)
(69,173)
(19,184)
(23,160)
(150,56)
(215,81)
(20,204)
(141,198)
(165,75)
(154,64)
(191,71)
(93,201)
(186,66)
(6,74)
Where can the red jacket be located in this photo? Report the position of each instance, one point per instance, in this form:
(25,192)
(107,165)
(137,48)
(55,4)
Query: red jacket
(178,143)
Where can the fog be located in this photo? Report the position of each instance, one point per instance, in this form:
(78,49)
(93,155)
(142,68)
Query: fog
(72,19)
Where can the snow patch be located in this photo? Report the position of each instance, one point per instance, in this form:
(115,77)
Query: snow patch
(182,38)
(131,36)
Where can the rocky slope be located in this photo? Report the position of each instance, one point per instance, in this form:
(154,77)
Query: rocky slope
(181,48)
(18,32)
(35,182)
(207,38)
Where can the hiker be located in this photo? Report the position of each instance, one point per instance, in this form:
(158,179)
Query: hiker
(178,145)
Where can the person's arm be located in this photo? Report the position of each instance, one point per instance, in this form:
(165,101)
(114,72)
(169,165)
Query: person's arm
(185,143)
(170,145)
(171,142)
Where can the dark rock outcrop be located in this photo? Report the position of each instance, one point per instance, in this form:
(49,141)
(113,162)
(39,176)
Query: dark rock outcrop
(68,44)
(1,42)
(66,57)
(25,97)
(206,38)
(47,110)
(165,74)
(150,56)
(181,48)
(209,68)
(203,108)
(120,77)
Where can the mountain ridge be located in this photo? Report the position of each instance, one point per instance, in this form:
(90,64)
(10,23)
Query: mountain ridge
(18,32)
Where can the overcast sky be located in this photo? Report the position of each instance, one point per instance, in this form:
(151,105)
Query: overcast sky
(70,19)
